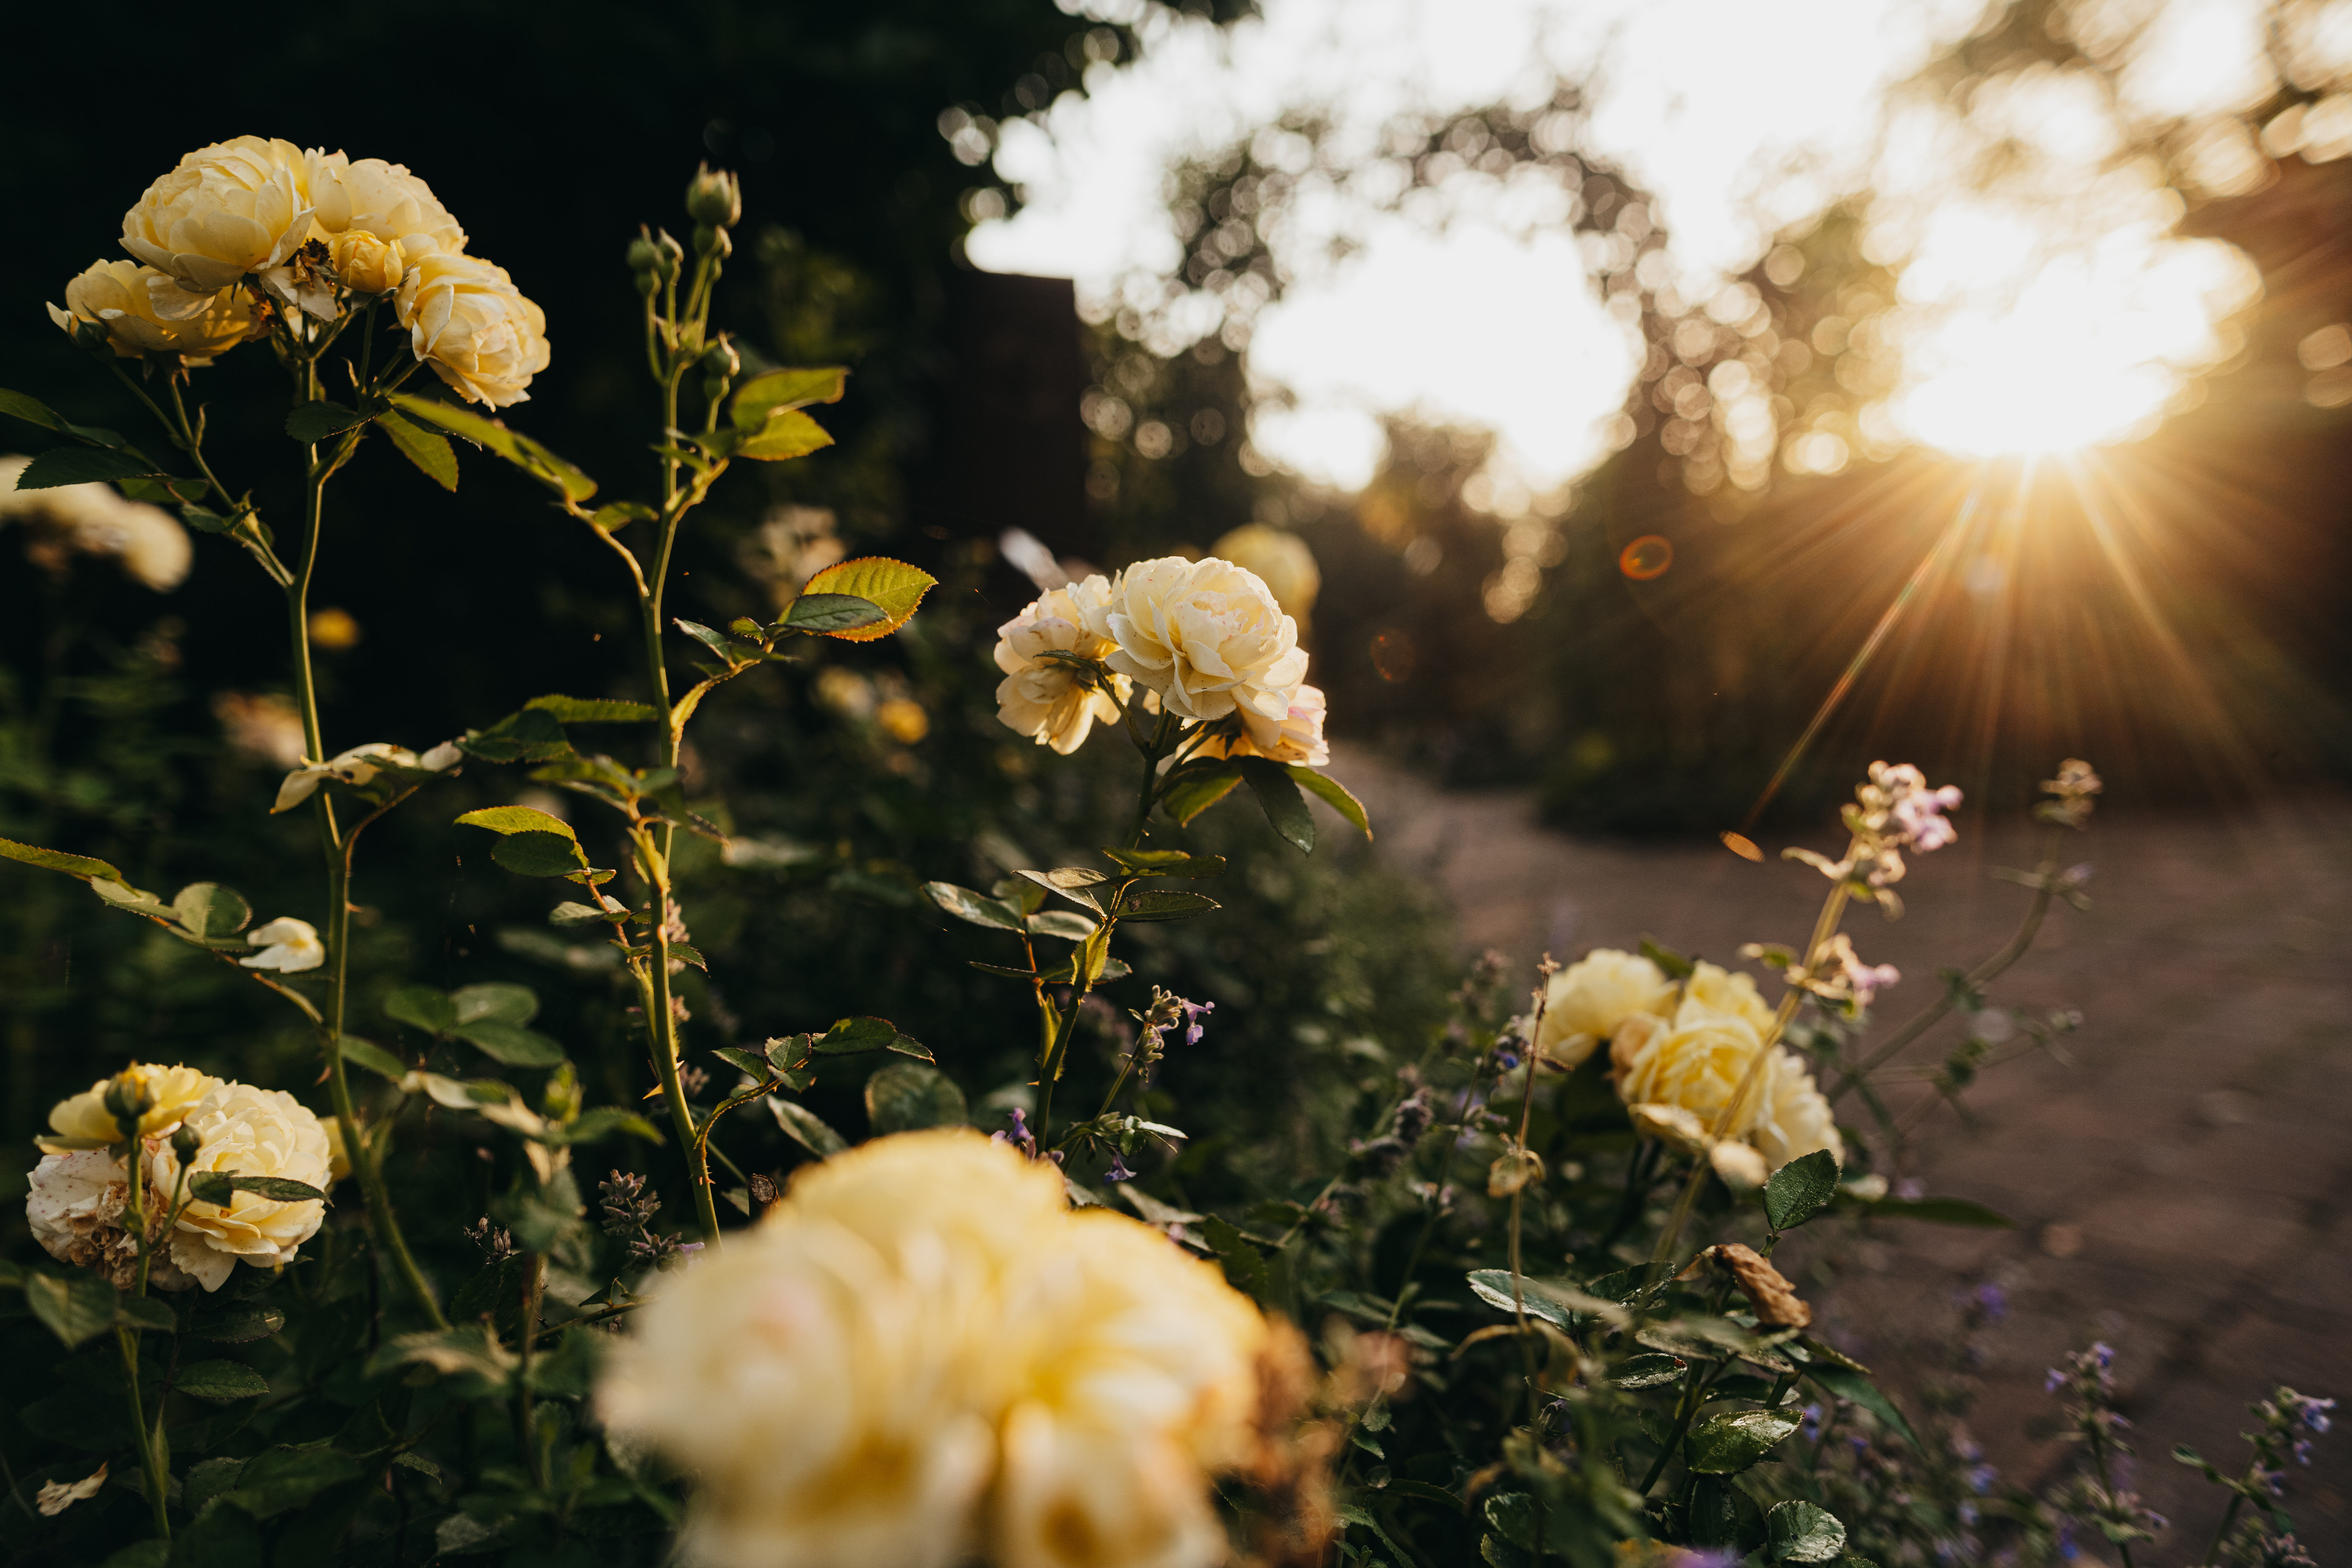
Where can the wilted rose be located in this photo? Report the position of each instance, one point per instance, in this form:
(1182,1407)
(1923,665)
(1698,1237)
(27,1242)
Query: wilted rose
(226,210)
(467,320)
(119,296)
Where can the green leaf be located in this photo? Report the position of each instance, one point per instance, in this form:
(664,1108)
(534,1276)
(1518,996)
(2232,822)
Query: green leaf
(1651,1371)
(850,1037)
(778,391)
(144,1554)
(428,450)
(594,710)
(530,736)
(570,914)
(1154,904)
(422,1008)
(516,447)
(218,1187)
(208,909)
(803,1127)
(58,860)
(1857,1389)
(790,434)
(310,423)
(515,820)
(1723,1514)
(1277,794)
(1727,1444)
(826,614)
(967,905)
(146,1315)
(539,854)
(282,1478)
(620,513)
(904,1095)
(74,1307)
(1335,795)
(716,641)
(1512,1516)
(1556,1301)
(1194,788)
(1672,963)
(221,1380)
(207,1480)
(373,1058)
(1800,1532)
(498,1001)
(893,586)
(510,1044)
(1067,924)
(235,1322)
(601,1123)
(30,409)
(1940,1211)
(1800,1189)
(81,466)
(1167,863)
(743,1061)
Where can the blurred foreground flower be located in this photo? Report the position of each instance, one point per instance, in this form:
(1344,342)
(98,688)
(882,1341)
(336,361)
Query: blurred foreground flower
(1586,1001)
(922,1357)
(287,945)
(94,519)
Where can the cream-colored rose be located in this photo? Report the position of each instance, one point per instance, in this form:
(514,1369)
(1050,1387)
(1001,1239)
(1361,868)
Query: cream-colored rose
(365,263)
(467,320)
(1207,635)
(1044,697)
(1728,993)
(75,1210)
(1795,1117)
(1586,1001)
(920,1356)
(1297,737)
(121,297)
(229,209)
(65,520)
(381,199)
(176,1090)
(246,1131)
(1695,1065)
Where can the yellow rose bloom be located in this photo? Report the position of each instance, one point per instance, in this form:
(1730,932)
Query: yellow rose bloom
(121,297)
(922,1355)
(1695,1065)
(380,199)
(1044,697)
(246,1132)
(366,263)
(176,1090)
(1794,1118)
(1207,635)
(467,320)
(1727,992)
(1587,1001)
(229,209)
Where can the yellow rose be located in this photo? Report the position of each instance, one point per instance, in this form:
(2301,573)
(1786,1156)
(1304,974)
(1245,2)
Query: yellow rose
(1695,1065)
(1044,698)
(175,1090)
(339,1151)
(920,1356)
(382,199)
(468,321)
(1795,1118)
(365,263)
(229,209)
(246,1131)
(1296,737)
(1726,993)
(1586,1001)
(121,296)
(1207,635)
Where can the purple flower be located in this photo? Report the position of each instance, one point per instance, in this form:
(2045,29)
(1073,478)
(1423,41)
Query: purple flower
(2103,1353)
(1020,1138)
(1506,1060)
(1812,1423)
(2303,1451)
(1991,1300)
(1194,1012)
(2066,1547)
(1981,1477)
(2054,1382)
(2312,1413)
(1119,1171)
(1967,1514)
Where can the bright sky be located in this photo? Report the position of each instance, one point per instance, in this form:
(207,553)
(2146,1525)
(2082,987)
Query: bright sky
(1740,115)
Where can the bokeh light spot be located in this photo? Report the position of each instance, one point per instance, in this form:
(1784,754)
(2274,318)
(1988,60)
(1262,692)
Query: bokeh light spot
(1646,557)
(1739,844)
(1394,656)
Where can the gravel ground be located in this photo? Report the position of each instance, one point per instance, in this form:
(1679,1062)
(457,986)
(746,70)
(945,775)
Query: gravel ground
(2178,1187)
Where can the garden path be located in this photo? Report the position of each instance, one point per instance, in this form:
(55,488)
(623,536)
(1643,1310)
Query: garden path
(2178,1187)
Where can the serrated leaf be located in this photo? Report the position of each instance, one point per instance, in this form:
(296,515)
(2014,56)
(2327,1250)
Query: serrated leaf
(146,1315)
(975,908)
(510,1044)
(539,854)
(1556,1301)
(428,450)
(81,466)
(310,423)
(849,1036)
(1857,1389)
(593,709)
(58,860)
(1167,863)
(208,909)
(1278,794)
(1800,1532)
(521,450)
(805,1127)
(220,1380)
(1334,793)
(1154,904)
(30,409)
(749,1062)
(1194,788)
(531,735)
(785,435)
(895,587)
(1725,1444)
(715,640)
(1800,1189)
(278,1479)
(774,392)
(505,819)
(827,614)
(903,1097)
(373,1058)
(73,1306)
(422,1008)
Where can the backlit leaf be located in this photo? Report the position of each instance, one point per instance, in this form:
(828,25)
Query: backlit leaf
(790,434)
(428,450)
(594,710)
(778,391)
(894,586)
(81,466)
(521,450)
(904,1095)
(58,860)
(515,820)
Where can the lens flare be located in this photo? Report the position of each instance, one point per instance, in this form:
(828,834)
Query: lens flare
(1646,558)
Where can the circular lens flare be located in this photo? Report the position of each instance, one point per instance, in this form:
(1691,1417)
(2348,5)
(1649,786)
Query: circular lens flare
(1646,557)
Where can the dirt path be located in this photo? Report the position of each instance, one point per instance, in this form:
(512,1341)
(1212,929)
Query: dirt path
(2180,1188)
